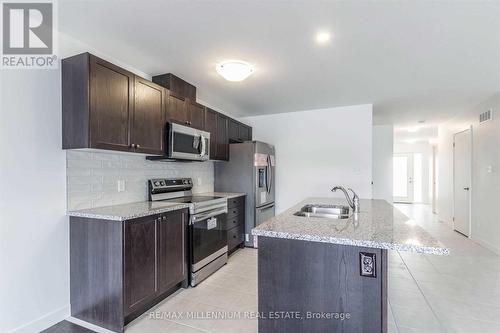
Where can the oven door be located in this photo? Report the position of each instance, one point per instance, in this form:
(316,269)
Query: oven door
(208,241)
(187,143)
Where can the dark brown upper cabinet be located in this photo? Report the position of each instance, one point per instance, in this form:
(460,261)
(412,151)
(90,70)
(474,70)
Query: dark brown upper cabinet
(177,111)
(239,132)
(245,133)
(196,114)
(149,117)
(222,152)
(177,85)
(211,127)
(107,107)
(96,103)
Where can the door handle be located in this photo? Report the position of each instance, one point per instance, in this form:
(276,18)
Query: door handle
(466,188)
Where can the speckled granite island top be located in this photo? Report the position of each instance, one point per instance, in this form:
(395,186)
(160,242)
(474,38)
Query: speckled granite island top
(128,211)
(378,225)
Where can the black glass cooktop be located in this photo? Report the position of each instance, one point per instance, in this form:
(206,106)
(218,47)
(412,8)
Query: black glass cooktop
(194,199)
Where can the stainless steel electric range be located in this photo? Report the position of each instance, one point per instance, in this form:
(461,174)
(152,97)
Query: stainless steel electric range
(207,237)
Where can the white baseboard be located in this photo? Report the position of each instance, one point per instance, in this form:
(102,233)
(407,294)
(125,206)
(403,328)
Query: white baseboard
(88,325)
(44,321)
(489,246)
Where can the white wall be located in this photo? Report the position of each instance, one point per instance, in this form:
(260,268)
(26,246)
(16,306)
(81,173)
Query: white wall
(34,282)
(425,149)
(318,149)
(93,177)
(485,186)
(383,138)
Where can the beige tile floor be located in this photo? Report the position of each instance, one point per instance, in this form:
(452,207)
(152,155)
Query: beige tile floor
(458,293)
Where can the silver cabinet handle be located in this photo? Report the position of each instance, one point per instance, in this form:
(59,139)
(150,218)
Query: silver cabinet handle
(164,218)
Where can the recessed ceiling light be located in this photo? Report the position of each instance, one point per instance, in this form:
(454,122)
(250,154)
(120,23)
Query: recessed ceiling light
(323,37)
(234,70)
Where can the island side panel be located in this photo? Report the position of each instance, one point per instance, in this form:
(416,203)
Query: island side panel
(303,276)
(96,272)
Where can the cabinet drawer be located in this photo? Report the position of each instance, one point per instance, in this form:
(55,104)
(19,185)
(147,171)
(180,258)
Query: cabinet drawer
(235,202)
(235,211)
(235,236)
(234,221)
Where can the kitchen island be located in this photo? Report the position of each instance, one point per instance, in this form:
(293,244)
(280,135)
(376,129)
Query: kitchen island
(330,275)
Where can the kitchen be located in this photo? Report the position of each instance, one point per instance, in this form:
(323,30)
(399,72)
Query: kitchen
(171,174)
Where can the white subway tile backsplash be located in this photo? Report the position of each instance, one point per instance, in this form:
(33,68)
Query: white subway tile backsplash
(92,177)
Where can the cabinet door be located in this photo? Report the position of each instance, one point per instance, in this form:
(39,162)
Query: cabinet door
(171,250)
(211,127)
(196,115)
(177,111)
(245,133)
(222,138)
(233,131)
(148,121)
(139,262)
(111,104)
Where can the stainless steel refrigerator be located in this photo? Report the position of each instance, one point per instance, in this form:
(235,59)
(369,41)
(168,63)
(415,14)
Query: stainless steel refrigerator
(251,170)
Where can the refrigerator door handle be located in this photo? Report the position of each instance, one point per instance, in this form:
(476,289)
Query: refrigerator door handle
(268,174)
(271,205)
(271,174)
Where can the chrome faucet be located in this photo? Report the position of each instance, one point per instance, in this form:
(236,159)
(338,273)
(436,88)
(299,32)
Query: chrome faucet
(354,202)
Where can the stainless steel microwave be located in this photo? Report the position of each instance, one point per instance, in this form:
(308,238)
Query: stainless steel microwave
(186,143)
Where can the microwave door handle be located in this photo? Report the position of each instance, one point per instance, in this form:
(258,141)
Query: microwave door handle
(202,145)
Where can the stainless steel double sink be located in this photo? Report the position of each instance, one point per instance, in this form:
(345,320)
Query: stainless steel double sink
(324,211)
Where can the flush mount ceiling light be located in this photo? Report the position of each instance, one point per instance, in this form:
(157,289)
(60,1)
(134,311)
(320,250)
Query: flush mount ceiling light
(234,70)
(323,37)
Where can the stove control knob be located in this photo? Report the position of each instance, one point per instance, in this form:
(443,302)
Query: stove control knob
(157,183)
(162,183)
(185,181)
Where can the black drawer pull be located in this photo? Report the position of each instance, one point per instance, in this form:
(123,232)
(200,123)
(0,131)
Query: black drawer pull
(234,236)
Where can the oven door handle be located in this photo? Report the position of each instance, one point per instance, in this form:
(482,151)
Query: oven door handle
(205,215)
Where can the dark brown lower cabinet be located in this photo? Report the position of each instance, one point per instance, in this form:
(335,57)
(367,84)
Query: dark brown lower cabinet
(120,269)
(235,223)
(139,262)
(318,287)
(171,246)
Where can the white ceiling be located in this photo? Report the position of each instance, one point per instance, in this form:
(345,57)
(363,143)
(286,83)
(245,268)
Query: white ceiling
(416,134)
(414,60)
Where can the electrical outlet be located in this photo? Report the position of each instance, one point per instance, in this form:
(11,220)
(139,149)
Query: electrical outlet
(121,185)
(367,264)
(247,238)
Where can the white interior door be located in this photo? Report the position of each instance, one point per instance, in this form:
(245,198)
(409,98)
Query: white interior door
(403,177)
(462,158)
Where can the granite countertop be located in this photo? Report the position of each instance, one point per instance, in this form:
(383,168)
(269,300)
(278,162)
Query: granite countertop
(128,211)
(228,195)
(378,225)
(139,209)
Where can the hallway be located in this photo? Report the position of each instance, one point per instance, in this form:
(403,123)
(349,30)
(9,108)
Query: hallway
(457,293)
